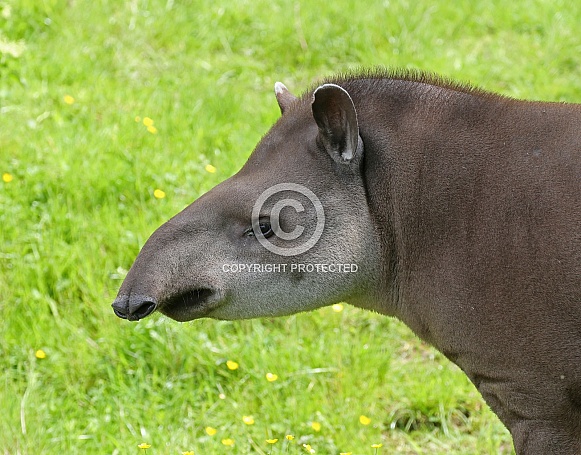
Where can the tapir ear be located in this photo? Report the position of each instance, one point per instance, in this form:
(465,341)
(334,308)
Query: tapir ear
(283,96)
(336,118)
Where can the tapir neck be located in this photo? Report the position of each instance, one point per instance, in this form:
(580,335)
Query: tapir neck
(408,129)
(439,162)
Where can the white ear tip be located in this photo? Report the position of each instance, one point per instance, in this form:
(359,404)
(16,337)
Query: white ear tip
(279,87)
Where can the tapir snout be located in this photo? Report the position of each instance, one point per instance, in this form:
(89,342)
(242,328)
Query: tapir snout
(181,307)
(143,293)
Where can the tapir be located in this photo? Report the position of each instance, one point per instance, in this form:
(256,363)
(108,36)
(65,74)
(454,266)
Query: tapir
(455,210)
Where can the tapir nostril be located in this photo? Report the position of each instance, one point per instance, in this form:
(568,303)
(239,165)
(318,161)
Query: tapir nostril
(134,307)
(120,314)
(144,309)
(120,307)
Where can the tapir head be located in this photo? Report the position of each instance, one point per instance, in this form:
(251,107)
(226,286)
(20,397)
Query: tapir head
(290,232)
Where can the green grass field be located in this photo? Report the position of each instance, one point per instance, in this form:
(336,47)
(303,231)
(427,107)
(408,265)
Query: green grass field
(79,169)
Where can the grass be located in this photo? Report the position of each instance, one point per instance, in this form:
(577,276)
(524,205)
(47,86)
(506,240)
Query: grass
(77,202)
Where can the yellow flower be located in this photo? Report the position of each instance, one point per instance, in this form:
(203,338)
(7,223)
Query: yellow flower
(232,365)
(316,426)
(248,420)
(144,446)
(159,194)
(289,437)
(7,178)
(338,307)
(40,354)
(271,377)
(376,446)
(190,452)
(222,396)
(308,448)
(346,453)
(228,442)
(152,129)
(211,431)
(272,441)
(364,420)
(147,121)
(68,99)
(211,169)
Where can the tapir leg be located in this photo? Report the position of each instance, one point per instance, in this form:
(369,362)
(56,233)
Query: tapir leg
(541,438)
(542,419)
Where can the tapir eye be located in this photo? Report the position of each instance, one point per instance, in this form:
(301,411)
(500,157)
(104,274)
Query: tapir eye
(266,229)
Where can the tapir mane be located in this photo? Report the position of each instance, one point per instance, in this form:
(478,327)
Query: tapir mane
(373,79)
